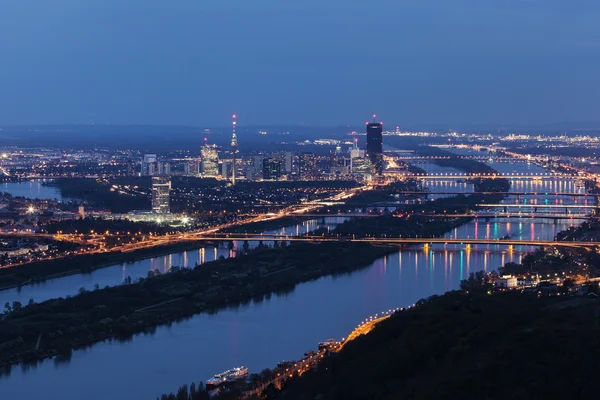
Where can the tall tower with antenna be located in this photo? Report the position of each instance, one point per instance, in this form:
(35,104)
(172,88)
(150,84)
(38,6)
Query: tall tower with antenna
(233,149)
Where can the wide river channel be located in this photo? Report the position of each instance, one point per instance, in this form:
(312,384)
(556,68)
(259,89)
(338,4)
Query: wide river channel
(284,327)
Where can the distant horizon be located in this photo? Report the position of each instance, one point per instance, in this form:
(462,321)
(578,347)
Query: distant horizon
(466,127)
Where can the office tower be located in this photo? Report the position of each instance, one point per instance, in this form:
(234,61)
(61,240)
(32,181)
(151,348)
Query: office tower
(375,145)
(161,186)
(288,162)
(226,169)
(191,168)
(164,168)
(210,161)
(233,150)
(271,169)
(130,168)
(307,166)
(148,165)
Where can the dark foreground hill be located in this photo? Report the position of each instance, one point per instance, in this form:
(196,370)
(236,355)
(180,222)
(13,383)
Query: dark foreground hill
(466,346)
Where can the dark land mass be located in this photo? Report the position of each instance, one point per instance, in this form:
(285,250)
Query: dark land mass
(466,346)
(90,190)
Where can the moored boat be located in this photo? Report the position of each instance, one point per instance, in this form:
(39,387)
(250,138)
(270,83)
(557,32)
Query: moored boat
(230,375)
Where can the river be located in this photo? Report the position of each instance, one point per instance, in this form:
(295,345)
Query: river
(33,189)
(284,327)
(116,274)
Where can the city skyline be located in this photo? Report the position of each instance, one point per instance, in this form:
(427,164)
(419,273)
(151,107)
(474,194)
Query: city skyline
(247,200)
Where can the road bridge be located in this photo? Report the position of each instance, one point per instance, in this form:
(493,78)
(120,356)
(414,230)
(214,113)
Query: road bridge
(516,175)
(566,194)
(521,205)
(451,215)
(391,240)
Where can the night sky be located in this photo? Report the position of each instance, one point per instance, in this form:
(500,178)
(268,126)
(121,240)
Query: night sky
(317,62)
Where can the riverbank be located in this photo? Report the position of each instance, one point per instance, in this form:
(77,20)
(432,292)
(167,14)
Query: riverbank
(460,345)
(81,264)
(124,310)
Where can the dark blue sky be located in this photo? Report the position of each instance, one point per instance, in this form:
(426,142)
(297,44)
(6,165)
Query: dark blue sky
(285,62)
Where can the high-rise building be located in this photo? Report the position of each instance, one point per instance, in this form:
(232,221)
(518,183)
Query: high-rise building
(288,162)
(308,166)
(191,168)
(375,145)
(226,169)
(148,165)
(271,169)
(233,150)
(164,168)
(210,161)
(130,168)
(161,200)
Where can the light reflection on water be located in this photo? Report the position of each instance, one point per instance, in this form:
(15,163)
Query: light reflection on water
(259,335)
(116,274)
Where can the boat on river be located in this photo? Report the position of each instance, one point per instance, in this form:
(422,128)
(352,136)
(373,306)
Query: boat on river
(231,375)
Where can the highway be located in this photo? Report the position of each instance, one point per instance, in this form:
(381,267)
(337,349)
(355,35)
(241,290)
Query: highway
(409,193)
(399,241)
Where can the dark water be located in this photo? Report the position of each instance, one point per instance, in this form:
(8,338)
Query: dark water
(261,334)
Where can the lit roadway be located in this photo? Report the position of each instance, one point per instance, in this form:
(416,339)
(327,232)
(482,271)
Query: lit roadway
(153,241)
(406,241)
(451,215)
(508,193)
(524,175)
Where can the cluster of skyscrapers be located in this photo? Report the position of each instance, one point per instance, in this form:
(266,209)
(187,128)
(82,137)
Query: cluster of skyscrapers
(359,163)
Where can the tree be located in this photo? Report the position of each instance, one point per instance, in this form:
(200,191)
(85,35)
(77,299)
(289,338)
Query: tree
(7,307)
(16,305)
(96,286)
(81,290)
(246,246)
(31,302)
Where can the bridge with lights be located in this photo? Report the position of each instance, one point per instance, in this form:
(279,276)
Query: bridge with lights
(455,215)
(445,192)
(512,175)
(390,240)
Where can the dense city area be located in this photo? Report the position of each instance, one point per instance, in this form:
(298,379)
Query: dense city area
(250,226)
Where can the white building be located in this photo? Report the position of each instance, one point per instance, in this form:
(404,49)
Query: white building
(148,165)
(161,200)
(507,281)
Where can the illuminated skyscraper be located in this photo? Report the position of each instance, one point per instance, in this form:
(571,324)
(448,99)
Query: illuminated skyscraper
(308,165)
(148,165)
(271,169)
(233,151)
(375,145)
(161,200)
(210,161)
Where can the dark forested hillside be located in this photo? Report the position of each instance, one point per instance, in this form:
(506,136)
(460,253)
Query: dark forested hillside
(465,346)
